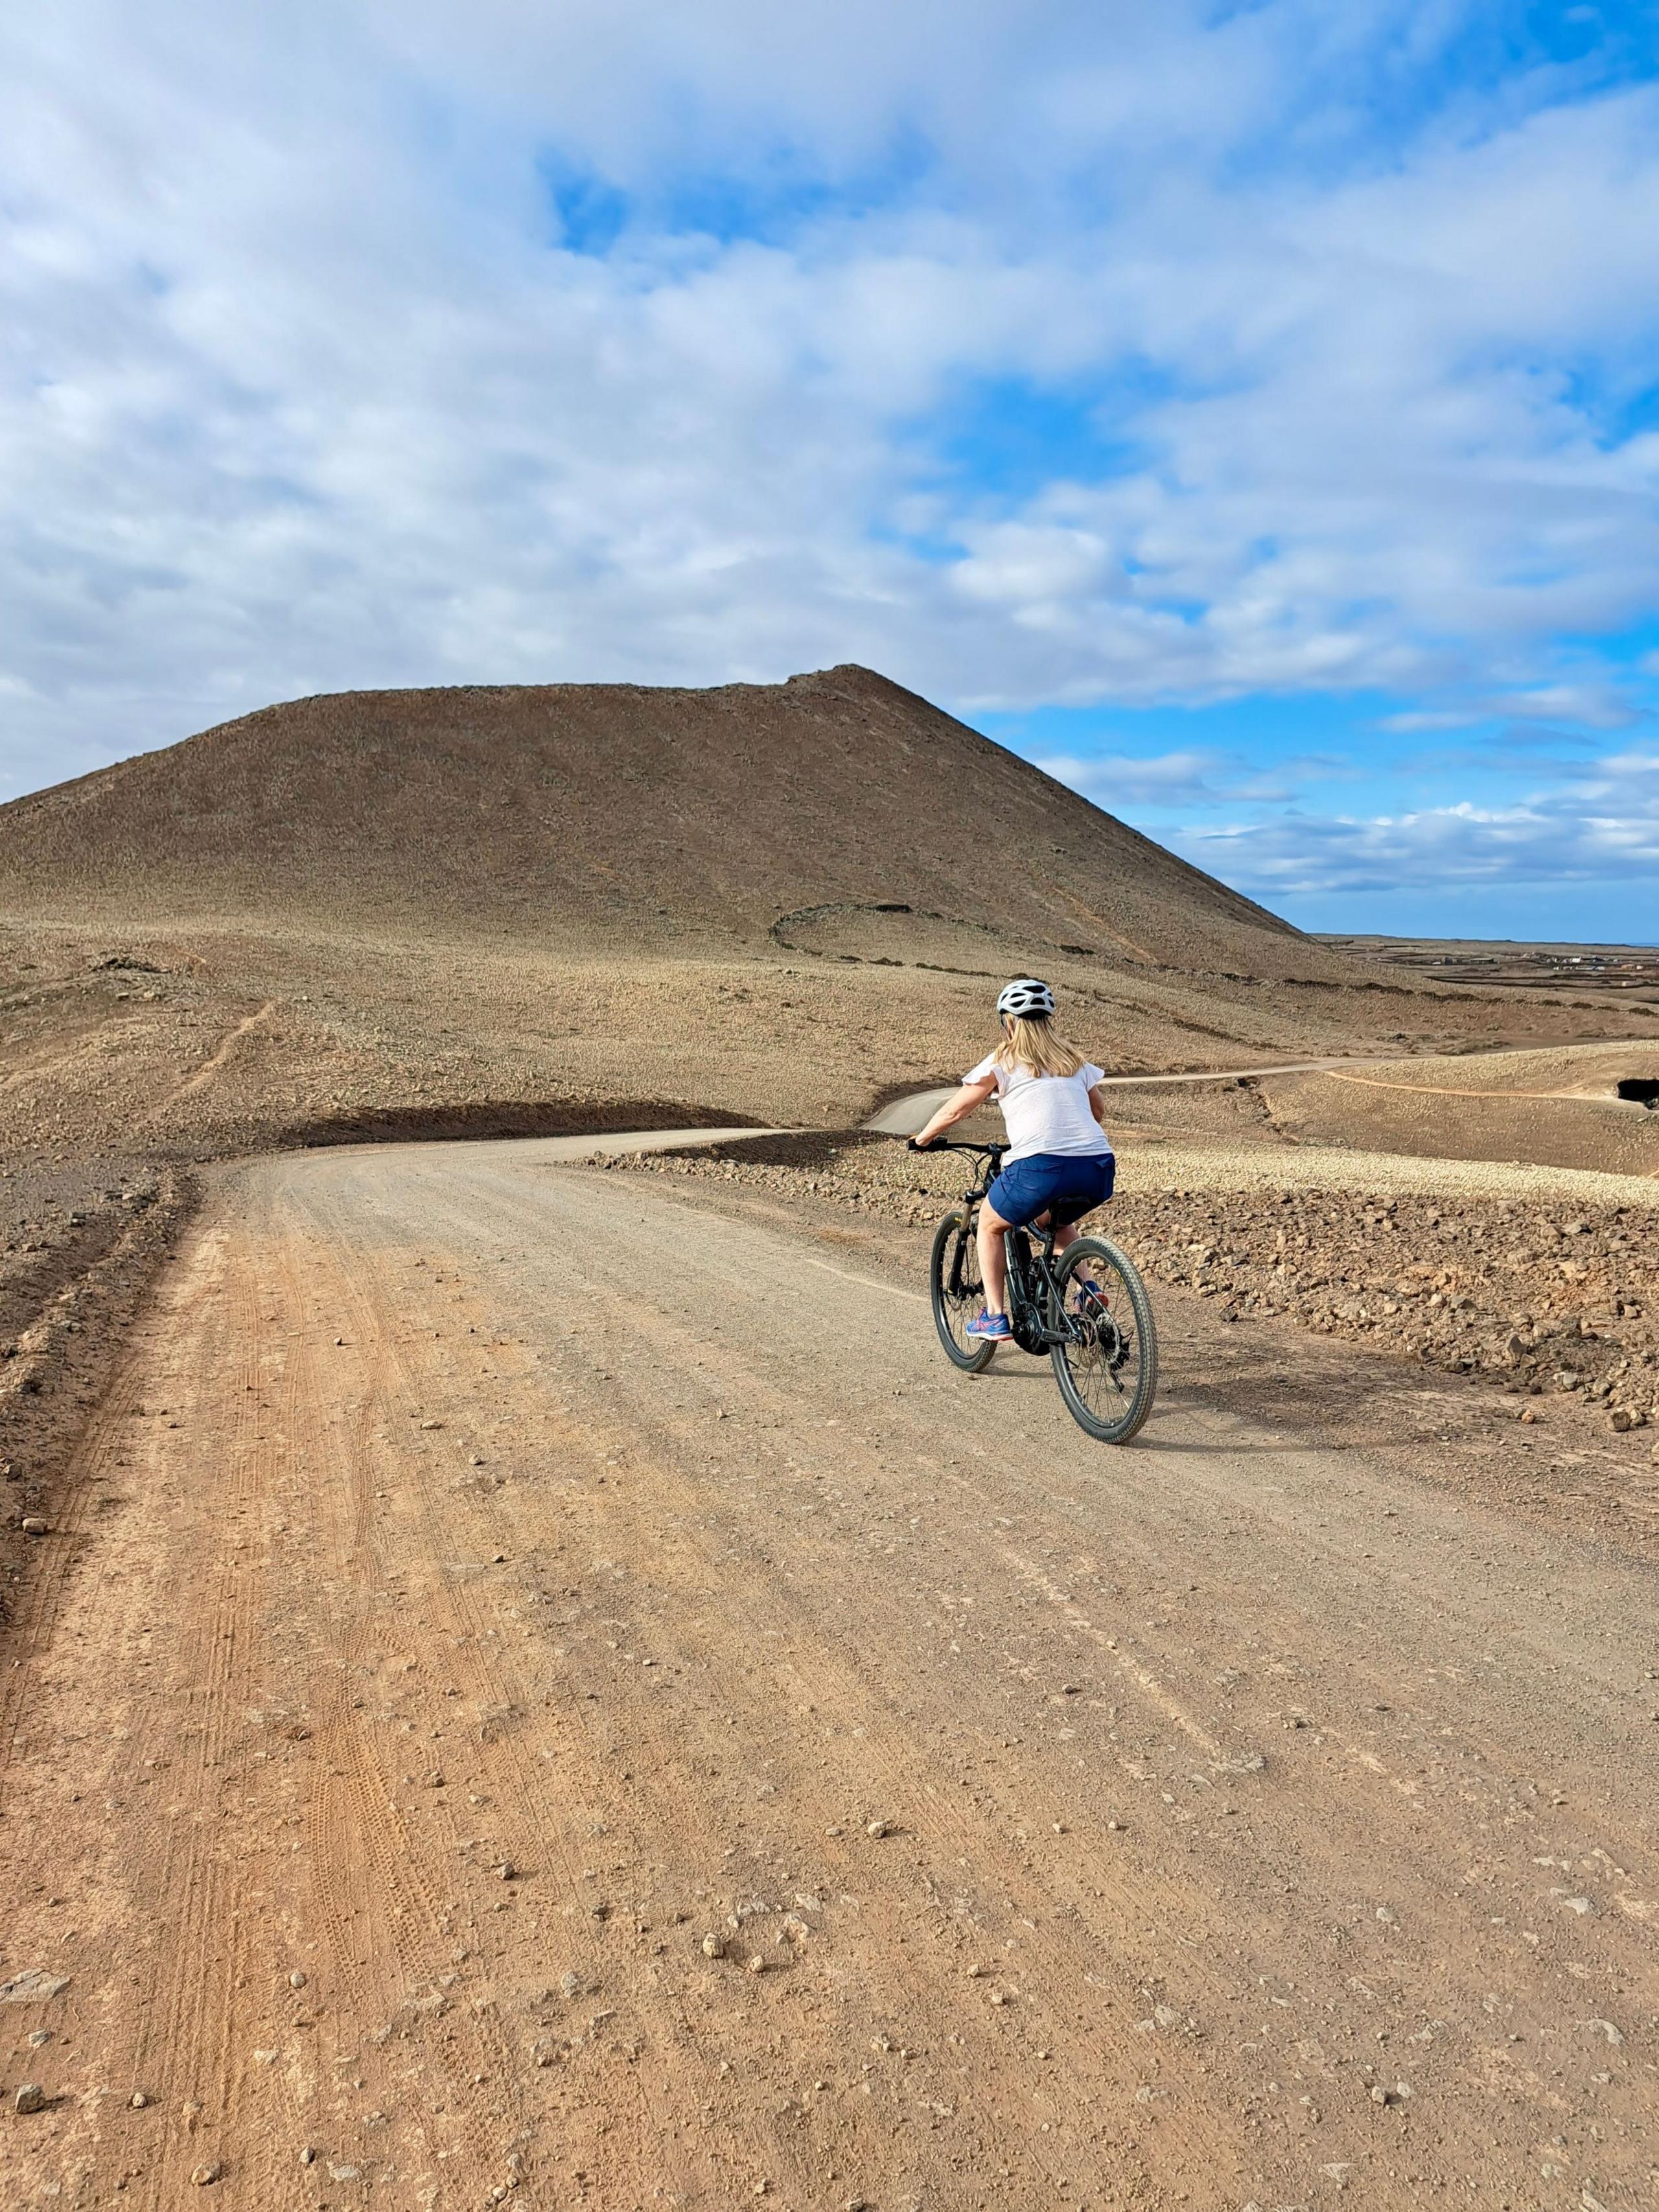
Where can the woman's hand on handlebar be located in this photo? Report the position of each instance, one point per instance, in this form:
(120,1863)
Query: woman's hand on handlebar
(957,1108)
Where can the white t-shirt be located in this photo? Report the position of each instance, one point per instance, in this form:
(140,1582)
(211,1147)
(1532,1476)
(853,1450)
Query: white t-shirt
(1046,1113)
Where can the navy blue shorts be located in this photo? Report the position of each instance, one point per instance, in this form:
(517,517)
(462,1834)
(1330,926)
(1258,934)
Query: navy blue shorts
(1065,1188)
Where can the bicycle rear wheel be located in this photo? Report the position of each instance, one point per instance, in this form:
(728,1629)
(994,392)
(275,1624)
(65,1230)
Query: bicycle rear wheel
(957,1293)
(1107,1367)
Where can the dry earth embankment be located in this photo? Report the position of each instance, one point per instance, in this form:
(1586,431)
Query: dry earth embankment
(80,1256)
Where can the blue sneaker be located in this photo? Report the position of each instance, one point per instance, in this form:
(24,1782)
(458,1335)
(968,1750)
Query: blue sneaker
(992,1328)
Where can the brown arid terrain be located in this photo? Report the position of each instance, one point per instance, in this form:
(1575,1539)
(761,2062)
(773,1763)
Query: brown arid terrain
(773,902)
(527,1677)
(1614,968)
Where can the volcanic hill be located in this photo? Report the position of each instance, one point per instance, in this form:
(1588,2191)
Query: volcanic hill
(499,908)
(575,806)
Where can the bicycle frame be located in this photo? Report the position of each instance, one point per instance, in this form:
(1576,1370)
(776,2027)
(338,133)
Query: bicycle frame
(1032,1291)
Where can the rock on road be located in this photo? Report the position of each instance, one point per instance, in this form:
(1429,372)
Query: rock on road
(544,1688)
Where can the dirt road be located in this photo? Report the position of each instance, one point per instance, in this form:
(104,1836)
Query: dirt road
(544,1686)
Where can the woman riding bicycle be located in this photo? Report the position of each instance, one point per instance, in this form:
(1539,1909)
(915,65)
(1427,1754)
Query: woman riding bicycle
(1059,1164)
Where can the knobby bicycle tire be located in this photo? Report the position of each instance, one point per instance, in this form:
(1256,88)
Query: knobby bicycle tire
(1107,1373)
(952,1312)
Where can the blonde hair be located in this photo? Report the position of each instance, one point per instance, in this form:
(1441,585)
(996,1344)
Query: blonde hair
(1029,1042)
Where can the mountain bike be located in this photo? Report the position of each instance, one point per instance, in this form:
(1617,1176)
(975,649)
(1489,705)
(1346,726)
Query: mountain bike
(1089,1310)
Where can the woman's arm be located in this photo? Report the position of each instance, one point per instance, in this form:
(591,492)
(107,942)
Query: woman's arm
(1098,1105)
(956,1108)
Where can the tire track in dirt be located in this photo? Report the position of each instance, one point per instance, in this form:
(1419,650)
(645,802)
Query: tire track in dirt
(195,1886)
(458,1620)
(513,1695)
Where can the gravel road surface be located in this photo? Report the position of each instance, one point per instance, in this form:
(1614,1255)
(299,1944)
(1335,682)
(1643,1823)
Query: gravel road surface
(545,1687)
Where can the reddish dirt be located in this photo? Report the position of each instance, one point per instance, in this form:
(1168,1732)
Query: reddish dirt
(488,1578)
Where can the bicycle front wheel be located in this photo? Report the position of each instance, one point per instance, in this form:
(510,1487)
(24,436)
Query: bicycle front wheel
(957,1293)
(1106,1364)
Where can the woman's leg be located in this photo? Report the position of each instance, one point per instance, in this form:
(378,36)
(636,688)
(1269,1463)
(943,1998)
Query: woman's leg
(1065,1235)
(994,1258)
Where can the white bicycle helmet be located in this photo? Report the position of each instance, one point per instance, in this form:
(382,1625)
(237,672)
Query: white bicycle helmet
(1027,999)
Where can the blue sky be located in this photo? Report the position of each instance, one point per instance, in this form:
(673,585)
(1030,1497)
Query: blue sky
(1250,412)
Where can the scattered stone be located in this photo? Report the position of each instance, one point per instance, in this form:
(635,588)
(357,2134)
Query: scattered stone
(507,1871)
(137,2101)
(308,2155)
(999,1997)
(203,2175)
(714,1947)
(1606,2030)
(432,1424)
(570,1985)
(756,1963)
(34,1525)
(1380,2095)
(878,1828)
(1529,1415)
(32,1985)
(38,2038)
(1624,1418)
(296,1980)
(31,2098)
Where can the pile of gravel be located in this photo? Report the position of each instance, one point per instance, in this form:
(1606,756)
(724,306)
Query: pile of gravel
(1549,1298)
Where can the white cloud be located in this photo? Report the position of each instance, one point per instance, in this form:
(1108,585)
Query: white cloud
(1191,776)
(302,389)
(1586,706)
(1603,828)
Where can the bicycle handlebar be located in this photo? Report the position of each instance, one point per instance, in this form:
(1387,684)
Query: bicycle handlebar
(942,1144)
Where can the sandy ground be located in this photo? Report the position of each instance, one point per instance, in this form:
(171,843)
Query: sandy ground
(1554,1107)
(546,1681)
